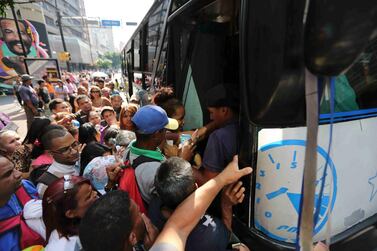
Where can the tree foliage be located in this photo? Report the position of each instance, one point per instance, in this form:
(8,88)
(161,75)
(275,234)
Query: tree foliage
(4,4)
(103,63)
(113,57)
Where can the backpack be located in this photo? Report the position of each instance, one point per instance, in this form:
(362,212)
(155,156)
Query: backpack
(46,177)
(43,93)
(27,237)
(37,173)
(128,182)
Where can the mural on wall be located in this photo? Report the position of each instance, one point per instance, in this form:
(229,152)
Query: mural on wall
(34,38)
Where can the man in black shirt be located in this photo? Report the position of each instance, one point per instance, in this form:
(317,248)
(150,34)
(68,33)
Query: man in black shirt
(85,106)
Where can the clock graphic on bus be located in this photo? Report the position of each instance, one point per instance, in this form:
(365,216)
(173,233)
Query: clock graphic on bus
(278,189)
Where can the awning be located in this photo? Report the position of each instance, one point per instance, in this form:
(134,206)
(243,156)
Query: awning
(79,50)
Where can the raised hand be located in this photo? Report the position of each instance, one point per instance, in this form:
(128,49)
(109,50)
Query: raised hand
(113,172)
(151,232)
(233,194)
(232,173)
(187,151)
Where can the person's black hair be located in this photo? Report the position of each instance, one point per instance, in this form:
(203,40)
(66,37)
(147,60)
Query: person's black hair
(107,224)
(174,181)
(223,95)
(35,132)
(91,151)
(164,97)
(143,137)
(54,103)
(87,133)
(52,132)
(111,132)
(171,106)
(82,96)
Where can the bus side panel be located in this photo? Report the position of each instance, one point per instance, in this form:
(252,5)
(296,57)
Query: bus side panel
(350,186)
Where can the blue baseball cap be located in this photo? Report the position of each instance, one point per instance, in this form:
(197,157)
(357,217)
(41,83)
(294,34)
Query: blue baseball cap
(152,118)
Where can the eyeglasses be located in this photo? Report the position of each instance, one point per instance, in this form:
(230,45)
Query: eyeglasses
(68,149)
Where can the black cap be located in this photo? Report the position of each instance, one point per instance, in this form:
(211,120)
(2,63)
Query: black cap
(222,96)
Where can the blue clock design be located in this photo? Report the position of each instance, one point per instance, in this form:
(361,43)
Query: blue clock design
(278,189)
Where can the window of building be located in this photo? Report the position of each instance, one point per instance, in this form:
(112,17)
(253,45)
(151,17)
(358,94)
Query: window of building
(49,21)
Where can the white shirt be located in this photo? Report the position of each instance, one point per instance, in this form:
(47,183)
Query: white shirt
(32,214)
(59,170)
(55,243)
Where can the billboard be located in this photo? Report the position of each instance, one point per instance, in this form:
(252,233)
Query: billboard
(39,67)
(34,38)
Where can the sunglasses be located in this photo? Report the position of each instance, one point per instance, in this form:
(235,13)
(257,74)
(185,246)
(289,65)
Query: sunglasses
(95,92)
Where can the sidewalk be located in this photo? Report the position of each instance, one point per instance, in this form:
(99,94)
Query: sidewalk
(10,106)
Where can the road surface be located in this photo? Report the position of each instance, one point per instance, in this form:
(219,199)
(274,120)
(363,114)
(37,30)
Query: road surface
(10,106)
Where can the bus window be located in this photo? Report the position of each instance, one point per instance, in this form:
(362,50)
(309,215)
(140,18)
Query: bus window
(355,91)
(136,52)
(193,117)
(155,23)
(345,99)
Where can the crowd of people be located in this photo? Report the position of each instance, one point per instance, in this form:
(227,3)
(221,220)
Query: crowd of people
(99,172)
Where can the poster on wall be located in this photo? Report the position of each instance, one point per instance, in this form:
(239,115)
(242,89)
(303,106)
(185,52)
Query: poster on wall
(39,67)
(34,38)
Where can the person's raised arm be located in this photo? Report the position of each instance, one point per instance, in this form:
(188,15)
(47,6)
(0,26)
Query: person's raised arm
(188,214)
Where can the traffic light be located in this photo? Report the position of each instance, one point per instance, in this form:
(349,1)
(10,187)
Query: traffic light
(68,56)
(64,56)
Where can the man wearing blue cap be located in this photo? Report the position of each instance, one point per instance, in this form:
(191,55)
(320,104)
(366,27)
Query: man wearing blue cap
(151,123)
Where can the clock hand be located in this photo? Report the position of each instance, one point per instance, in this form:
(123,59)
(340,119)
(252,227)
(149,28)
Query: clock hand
(276,193)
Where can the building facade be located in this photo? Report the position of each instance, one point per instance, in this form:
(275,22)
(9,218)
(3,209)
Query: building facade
(102,40)
(75,31)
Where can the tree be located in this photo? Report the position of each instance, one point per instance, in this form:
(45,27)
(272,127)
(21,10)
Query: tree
(103,63)
(113,57)
(4,4)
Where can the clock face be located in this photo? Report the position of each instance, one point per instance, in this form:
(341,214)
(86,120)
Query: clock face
(278,189)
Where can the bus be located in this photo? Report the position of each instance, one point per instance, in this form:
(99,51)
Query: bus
(263,50)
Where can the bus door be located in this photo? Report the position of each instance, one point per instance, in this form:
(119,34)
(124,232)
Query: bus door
(203,52)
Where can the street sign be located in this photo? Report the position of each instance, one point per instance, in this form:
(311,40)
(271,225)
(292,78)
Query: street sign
(131,23)
(110,22)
